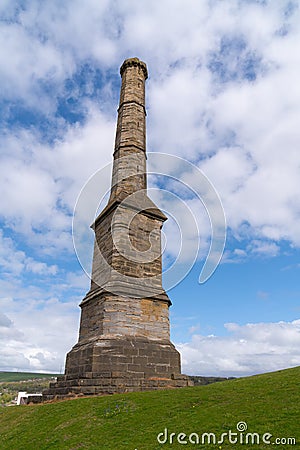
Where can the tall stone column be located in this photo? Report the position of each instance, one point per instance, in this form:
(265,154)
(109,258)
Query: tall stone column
(124,337)
(130,139)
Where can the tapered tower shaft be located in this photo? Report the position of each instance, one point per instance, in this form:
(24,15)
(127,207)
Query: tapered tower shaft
(129,175)
(127,250)
(124,336)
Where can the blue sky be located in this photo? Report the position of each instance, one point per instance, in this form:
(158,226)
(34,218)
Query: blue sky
(223,93)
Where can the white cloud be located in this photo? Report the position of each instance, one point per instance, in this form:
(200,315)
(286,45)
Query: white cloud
(28,65)
(191,113)
(248,349)
(40,181)
(262,115)
(39,337)
(27,191)
(243,132)
(264,248)
(40,267)
(15,262)
(5,321)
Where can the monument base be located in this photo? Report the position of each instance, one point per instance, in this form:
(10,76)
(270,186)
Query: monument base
(118,365)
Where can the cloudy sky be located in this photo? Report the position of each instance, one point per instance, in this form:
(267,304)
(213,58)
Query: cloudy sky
(224,94)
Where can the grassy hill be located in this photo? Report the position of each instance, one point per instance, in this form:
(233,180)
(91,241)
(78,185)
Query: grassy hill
(268,403)
(23,376)
(13,382)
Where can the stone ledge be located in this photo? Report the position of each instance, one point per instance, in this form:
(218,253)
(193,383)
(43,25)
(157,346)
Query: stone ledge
(118,383)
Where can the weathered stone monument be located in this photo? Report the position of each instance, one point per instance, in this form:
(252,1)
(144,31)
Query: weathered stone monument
(124,337)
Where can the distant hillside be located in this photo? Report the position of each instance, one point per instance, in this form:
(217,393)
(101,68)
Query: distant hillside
(266,406)
(23,376)
(208,380)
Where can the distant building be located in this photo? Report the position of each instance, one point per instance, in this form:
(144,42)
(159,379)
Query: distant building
(24,398)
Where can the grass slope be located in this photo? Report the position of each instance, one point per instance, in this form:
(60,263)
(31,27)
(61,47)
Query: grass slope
(268,403)
(23,376)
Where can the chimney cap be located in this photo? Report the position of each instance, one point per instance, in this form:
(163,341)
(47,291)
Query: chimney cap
(134,62)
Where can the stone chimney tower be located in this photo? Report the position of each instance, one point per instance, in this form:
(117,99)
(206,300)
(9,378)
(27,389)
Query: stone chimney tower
(131,130)
(124,337)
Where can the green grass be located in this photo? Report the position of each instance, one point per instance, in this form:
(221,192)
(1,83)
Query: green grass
(268,403)
(23,376)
